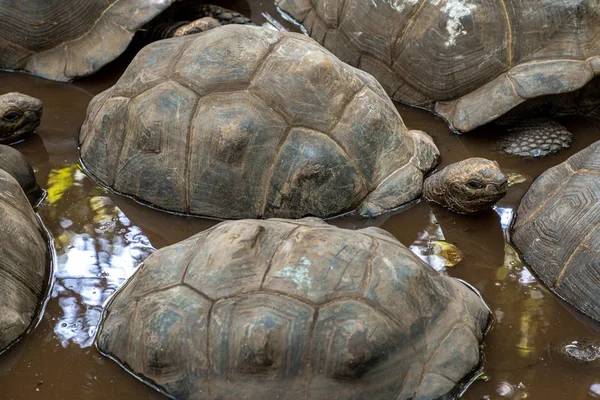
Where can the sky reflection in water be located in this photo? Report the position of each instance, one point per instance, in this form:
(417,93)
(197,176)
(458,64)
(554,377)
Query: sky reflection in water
(97,249)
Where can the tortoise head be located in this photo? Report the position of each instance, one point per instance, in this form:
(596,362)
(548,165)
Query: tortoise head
(19,116)
(468,186)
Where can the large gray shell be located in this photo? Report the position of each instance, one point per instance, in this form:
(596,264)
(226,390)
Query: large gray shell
(24,262)
(469,60)
(558,229)
(65,39)
(245,122)
(283,309)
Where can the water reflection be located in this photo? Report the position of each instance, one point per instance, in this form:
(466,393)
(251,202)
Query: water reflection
(97,249)
(423,248)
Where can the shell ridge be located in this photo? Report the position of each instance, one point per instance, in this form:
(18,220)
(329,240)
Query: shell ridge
(283,242)
(188,155)
(194,253)
(385,313)
(367,280)
(269,175)
(438,347)
(313,328)
(263,61)
(535,211)
(120,162)
(408,26)
(562,271)
(208,352)
(509,33)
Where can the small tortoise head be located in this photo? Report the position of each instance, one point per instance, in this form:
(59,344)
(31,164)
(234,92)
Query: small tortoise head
(19,116)
(468,186)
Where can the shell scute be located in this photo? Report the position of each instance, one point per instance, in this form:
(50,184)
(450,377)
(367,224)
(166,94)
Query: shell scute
(157,121)
(314,86)
(224,60)
(335,267)
(352,347)
(106,127)
(312,174)
(367,123)
(149,68)
(558,229)
(251,346)
(229,144)
(250,249)
(176,312)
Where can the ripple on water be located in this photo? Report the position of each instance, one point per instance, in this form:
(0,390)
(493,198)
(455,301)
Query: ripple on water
(97,249)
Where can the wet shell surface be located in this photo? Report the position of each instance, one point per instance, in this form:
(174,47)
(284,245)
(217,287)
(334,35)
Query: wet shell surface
(245,122)
(294,309)
(558,229)
(24,262)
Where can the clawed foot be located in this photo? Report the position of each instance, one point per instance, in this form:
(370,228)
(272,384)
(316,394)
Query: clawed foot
(223,15)
(197,26)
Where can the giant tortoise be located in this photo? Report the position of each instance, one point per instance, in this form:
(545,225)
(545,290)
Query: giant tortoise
(245,122)
(24,262)
(65,39)
(19,116)
(294,309)
(470,61)
(557,229)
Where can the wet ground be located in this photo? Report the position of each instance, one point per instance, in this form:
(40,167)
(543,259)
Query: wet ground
(100,238)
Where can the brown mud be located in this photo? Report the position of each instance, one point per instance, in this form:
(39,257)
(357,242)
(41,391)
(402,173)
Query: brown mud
(100,238)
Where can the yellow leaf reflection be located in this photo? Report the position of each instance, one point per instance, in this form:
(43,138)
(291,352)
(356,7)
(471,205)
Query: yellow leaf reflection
(59,181)
(97,248)
(447,251)
(515,179)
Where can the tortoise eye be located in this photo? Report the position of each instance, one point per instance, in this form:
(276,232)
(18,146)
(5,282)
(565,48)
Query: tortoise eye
(11,116)
(475,184)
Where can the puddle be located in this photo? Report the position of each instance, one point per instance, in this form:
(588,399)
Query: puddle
(100,238)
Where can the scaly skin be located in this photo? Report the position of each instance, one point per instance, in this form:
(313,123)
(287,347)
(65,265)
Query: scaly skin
(468,186)
(19,116)
(190,17)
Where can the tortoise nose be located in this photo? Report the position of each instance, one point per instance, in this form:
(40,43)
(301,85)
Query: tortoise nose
(503,183)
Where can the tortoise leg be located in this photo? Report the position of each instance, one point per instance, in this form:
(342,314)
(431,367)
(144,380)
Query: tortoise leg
(535,138)
(209,17)
(197,26)
(401,187)
(188,17)
(223,15)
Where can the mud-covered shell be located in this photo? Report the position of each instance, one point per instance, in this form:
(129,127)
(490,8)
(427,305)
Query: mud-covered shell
(294,309)
(65,39)
(246,122)
(24,261)
(469,60)
(558,229)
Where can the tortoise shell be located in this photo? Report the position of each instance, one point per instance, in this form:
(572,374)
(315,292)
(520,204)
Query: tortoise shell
(64,39)
(246,122)
(294,309)
(24,262)
(557,229)
(468,60)
(16,164)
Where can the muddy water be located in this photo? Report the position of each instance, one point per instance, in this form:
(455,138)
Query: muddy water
(100,238)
